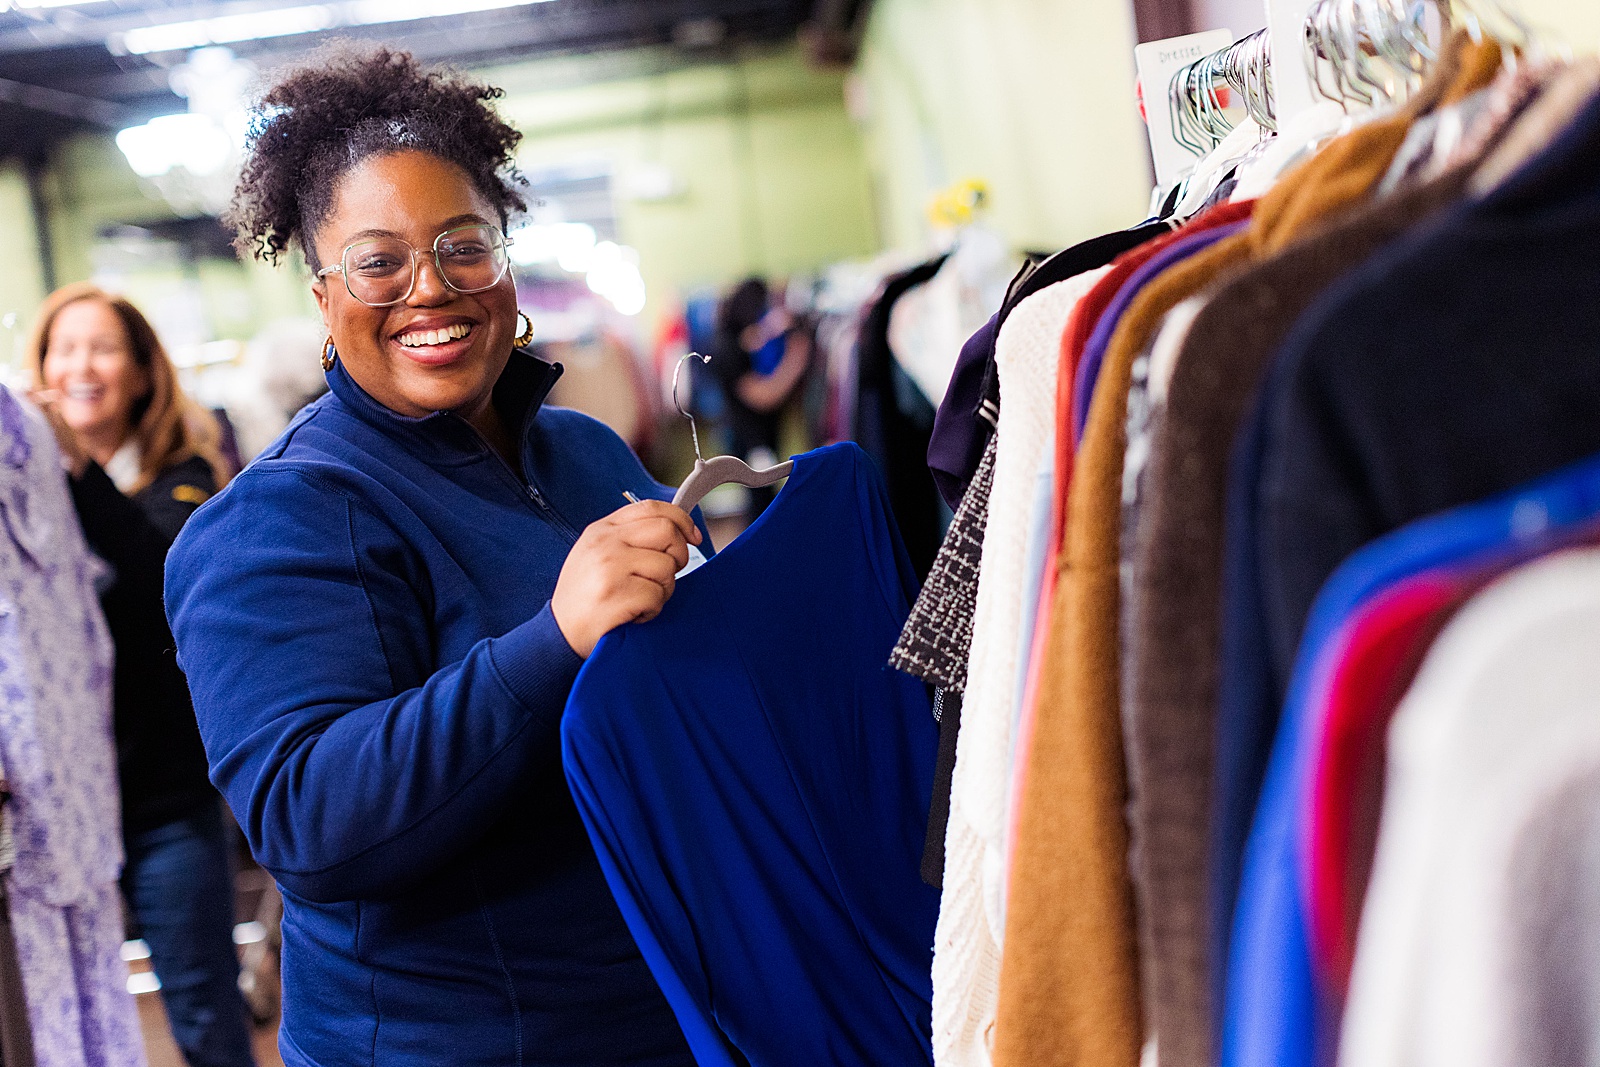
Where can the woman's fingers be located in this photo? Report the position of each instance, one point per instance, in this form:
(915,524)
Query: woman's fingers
(648,599)
(622,569)
(657,567)
(656,509)
(656,535)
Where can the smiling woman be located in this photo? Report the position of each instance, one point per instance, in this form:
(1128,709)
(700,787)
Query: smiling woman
(382,617)
(420,336)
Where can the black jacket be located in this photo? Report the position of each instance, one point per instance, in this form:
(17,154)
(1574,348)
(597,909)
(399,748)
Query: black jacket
(160,761)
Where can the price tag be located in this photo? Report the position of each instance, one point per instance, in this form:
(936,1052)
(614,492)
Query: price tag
(1157,62)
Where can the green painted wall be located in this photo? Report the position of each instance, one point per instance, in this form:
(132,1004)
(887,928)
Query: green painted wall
(90,186)
(772,171)
(21,286)
(1034,96)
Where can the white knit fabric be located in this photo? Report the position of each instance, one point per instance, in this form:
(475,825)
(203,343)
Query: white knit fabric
(966,954)
(1479,943)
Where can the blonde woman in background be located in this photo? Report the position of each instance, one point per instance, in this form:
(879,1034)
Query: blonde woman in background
(141,457)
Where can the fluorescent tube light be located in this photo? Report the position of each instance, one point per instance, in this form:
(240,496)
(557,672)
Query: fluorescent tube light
(287,21)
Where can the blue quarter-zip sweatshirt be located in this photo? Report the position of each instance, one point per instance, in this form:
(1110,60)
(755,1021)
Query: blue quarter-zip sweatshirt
(364,619)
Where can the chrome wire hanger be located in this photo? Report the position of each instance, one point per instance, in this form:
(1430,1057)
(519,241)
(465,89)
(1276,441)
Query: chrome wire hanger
(1199,119)
(708,474)
(1374,51)
(1358,53)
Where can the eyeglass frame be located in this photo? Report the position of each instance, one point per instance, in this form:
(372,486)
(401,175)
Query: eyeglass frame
(505,268)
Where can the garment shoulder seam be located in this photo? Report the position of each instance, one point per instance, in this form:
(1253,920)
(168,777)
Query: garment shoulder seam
(300,469)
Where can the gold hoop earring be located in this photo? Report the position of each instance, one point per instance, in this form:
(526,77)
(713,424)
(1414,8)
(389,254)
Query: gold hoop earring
(329,354)
(525,338)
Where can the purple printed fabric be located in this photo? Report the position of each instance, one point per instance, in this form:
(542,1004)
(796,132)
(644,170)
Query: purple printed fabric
(76,984)
(59,761)
(1094,351)
(55,676)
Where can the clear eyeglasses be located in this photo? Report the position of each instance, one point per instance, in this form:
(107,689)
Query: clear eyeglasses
(382,271)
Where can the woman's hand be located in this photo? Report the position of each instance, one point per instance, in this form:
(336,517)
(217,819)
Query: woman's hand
(621,570)
(73,455)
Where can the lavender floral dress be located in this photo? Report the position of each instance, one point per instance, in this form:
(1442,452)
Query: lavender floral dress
(59,758)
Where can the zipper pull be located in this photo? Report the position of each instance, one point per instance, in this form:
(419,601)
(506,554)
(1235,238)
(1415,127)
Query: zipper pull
(538,498)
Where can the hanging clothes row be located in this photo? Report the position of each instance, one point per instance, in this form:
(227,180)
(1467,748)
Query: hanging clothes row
(1271,523)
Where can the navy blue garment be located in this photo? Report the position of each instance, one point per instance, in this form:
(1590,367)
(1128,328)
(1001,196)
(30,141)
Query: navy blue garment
(363,615)
(756,783)
(963,424)
(1458,363)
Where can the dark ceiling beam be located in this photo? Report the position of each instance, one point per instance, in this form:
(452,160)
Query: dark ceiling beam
(64,105)
(478,39)
(148,86)
(47,35)
(48,93)
(578,16)
(129,87)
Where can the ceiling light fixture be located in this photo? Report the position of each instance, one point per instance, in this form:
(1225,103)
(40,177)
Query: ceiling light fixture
(193,142)
(288,21)
(192,159)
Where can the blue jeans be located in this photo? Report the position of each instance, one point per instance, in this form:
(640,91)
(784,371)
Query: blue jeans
(178,883)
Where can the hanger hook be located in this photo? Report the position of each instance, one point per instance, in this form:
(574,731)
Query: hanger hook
(694,434)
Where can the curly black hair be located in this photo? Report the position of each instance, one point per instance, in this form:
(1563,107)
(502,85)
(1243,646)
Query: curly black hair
(346,104)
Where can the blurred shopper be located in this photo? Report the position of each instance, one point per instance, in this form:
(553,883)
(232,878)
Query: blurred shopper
(382,616)
(760,357)
(141,457)
(281,372)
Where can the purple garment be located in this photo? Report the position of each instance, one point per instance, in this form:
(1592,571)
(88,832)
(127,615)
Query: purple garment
(956,444)
(76,984)
(1094,351)
(59,762)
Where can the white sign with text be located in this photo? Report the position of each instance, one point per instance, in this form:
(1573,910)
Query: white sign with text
(1157,62)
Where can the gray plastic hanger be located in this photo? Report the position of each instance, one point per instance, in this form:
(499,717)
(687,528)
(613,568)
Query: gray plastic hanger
(719,470)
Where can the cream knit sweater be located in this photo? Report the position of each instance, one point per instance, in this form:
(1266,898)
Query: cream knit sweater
(966,955)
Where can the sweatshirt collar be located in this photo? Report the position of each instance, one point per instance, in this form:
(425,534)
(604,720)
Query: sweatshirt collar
(519,394)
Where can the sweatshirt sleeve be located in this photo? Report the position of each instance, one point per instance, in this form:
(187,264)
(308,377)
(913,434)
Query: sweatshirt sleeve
(303,624)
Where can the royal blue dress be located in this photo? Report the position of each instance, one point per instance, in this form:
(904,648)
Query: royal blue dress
(755,780)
